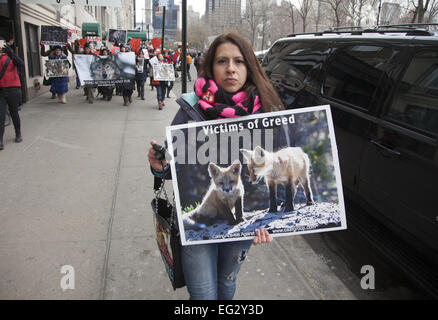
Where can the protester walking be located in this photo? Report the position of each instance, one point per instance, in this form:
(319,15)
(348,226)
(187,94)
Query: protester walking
(127,89)
(10,91)
(105,91)
(59,84)
(88,89)
(160,85)
(141,72)
(169,84)
(232,84)
(189,63)
(198,63)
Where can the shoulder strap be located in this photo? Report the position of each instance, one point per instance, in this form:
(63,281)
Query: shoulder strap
(191,98)
(5,66)
(189,103)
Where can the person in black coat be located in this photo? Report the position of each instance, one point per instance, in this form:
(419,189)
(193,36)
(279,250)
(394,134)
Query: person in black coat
(140,77)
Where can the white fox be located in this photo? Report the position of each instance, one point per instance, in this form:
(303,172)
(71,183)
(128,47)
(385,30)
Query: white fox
(288,166)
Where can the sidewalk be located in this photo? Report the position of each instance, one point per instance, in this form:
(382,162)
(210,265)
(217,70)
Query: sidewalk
(77,192)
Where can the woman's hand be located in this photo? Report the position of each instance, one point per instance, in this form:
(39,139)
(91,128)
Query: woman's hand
(155,164)
(262,236)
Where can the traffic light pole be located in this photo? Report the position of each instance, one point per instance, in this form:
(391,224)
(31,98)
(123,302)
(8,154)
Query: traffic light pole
(163,26)
(184,47)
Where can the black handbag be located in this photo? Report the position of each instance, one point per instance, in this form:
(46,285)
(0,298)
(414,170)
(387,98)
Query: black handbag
(47,81)
(168,238)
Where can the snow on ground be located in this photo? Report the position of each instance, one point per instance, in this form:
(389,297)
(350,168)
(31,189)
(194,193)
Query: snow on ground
(303,218)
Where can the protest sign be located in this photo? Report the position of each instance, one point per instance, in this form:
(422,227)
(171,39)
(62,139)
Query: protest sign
(153,61)
(163,72)
(140,64)
(278,171)
(57,68)
(54,35)
(117,36)
(146,53)
(109,70)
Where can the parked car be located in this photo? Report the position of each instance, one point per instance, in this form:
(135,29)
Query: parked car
(261,54)
(382,86)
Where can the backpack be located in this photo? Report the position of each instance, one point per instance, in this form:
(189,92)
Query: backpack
(189,59)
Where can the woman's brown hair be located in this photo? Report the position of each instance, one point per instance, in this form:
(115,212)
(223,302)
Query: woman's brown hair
(256,79)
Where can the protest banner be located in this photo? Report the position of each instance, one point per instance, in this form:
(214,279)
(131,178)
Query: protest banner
(278,171)
(163,72)
(54,36)
(109,70)
(117,36)
(57,68)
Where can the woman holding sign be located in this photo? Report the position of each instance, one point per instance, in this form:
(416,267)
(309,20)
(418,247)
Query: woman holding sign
(160,85)
(231,84)
(59,84)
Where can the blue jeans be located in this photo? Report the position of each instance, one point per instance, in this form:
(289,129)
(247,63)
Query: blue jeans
(161,91)
(210,270)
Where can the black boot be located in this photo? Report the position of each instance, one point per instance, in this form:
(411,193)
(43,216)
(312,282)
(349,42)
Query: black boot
(1,144)
(18,137)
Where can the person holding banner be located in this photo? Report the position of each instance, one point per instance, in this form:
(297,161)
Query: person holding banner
(107,91)
(141,72)
(59,84)
(127,89)
(169,84)
(160,85)
(231,84)
(10,89)
(88,89)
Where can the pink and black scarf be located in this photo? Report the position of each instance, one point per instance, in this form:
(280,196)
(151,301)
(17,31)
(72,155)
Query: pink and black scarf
(219,104)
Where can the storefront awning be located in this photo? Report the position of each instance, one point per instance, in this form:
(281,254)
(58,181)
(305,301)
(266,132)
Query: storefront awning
(137,35)
(91,29)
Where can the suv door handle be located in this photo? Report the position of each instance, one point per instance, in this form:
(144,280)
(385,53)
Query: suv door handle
(389,150)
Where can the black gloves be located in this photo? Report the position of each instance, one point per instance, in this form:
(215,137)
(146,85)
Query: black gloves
(8,50)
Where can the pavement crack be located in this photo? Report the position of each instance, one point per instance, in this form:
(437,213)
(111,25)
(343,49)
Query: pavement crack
(104,276)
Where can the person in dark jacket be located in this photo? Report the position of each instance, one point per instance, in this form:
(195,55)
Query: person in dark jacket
(140,77)
(232,84)
(10,90)
(106,91)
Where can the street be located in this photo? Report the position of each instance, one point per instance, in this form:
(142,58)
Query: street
(77,192)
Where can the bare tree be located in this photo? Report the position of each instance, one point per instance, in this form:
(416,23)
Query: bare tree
(337,8)
(421,7)
(291,12)
(252,18)
(433,12)
(303,11)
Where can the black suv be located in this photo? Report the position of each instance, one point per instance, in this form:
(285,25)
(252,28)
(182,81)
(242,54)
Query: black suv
(382,86)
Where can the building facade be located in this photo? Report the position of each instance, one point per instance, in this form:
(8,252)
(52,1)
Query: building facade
(221,14)
(171,22)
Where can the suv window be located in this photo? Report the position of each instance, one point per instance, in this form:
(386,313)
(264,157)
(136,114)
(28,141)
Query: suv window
(415,103)
(354,73)
(294,59)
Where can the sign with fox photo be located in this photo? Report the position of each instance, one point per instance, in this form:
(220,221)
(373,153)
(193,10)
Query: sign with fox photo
(278,171)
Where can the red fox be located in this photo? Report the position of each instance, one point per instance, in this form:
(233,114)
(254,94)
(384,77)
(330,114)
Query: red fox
(225,194)
(288,166)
